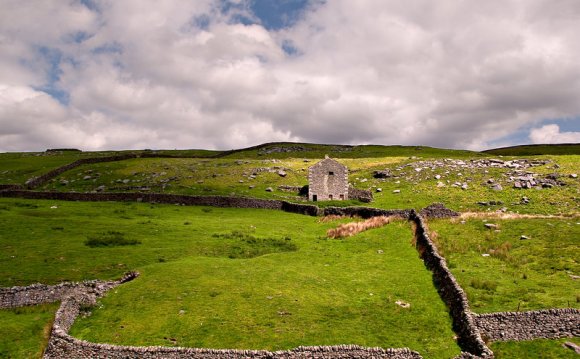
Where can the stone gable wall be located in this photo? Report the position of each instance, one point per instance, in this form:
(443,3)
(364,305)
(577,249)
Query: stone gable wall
(321,184)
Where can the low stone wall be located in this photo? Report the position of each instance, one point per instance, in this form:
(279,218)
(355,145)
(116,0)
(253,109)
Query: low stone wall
(62,345)
(8,187)
(546,324)
(469,338)
(34,294)
(214,201)
(365,212)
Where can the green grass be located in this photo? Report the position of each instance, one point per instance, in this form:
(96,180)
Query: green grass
(24,331)
(529,274)
(541,349)
(16,168)
(110,239)
(287,286)
(529,150)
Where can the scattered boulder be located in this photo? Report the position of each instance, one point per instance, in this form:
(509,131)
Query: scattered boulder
(386,173)
(269,189)
(379,190)
(573,175)
(403,304)
(397,191)
(491,226)
(522,237)
(282,173)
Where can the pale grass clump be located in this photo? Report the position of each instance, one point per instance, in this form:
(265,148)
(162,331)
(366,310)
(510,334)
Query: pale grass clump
(352,228)
(330,218)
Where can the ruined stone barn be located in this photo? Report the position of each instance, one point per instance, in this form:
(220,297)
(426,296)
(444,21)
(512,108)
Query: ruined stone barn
(328,180)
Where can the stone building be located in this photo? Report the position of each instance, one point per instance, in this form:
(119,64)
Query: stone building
(327,180)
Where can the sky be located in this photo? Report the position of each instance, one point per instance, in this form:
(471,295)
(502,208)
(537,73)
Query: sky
(224,74)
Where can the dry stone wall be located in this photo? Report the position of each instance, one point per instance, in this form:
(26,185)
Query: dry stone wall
(365,212)
(34,294)
(546,324)
(214,201)
(469,337)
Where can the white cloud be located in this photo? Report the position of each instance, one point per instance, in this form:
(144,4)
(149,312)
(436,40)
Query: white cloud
(144,74)
(552,134)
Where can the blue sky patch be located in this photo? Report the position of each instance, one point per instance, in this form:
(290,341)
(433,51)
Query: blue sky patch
(522,135)
(275,15)
(53,58)
(109,48)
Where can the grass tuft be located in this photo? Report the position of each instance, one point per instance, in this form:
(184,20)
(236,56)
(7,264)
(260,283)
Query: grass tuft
(110,239)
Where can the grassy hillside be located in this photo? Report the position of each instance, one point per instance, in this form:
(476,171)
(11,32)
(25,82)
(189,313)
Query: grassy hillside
(533,150)
(415,182)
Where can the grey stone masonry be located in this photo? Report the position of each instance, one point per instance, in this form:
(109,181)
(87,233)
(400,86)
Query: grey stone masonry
(327,180)
(539,324)
(34,294)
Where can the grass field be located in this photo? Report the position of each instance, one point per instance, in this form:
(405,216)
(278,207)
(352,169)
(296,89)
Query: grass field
(539,349)
(24,331)
(195,291)
(535,273)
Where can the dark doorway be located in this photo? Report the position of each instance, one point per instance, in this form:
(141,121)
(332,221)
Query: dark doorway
(315,197)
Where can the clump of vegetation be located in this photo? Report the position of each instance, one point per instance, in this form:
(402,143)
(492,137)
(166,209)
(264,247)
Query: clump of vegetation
(247,246)
(110,239)
(488,285)
(502,251)
(352,228)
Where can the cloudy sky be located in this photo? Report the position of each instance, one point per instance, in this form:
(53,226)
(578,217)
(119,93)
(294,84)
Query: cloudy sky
(222,74)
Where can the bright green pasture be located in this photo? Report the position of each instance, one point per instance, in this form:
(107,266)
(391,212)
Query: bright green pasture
(540,349)
(191,293)
(44,241)
(24,331)
(536,273)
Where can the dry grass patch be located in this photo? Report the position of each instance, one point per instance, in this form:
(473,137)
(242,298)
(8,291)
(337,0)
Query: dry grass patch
(352,228)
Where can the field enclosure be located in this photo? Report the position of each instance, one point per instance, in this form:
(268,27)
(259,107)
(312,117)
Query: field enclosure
(260,279)
(226,277)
